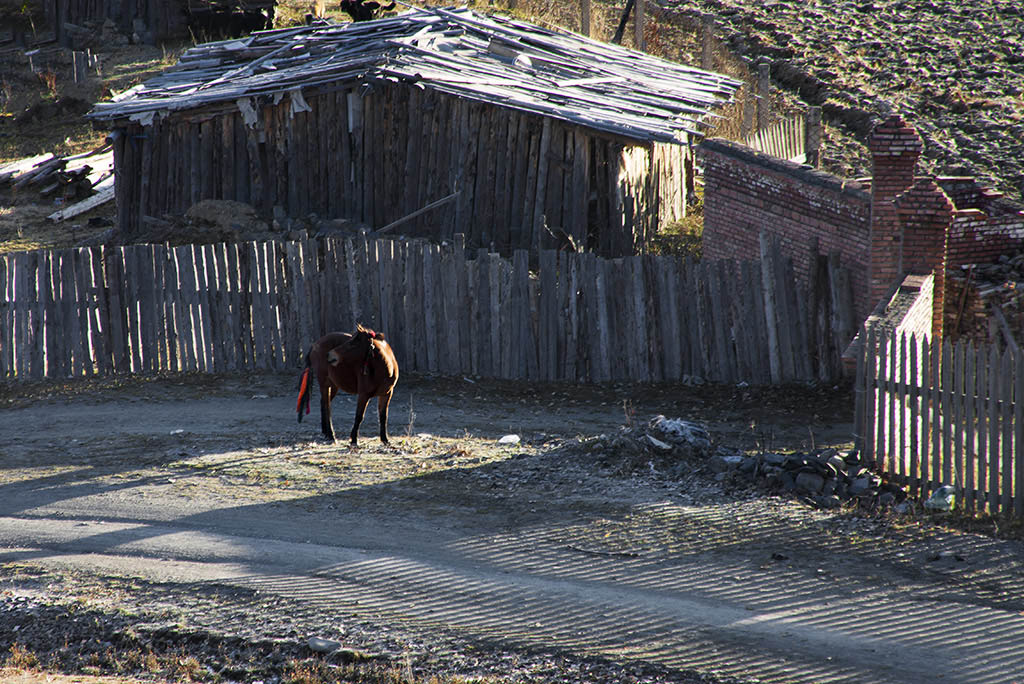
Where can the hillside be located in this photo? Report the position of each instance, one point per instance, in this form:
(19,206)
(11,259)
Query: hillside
(954,70)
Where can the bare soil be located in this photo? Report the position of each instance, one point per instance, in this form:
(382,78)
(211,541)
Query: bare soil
(188,528)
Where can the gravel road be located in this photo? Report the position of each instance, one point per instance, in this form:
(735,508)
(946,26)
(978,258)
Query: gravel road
(190,527)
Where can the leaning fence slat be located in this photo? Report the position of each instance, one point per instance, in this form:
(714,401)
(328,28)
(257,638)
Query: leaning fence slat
(891,426)
(981,412)
(83,268)
(260,322)
(190,331)
(430,317)
(279,306)
(946,412)
(68,315)
(880,401)
(101,314)
(970,461)
(994,385)
(927,378)
(13,306)
(172,306)
(956,416)
(902,469)
(914,408)
(1006,421)
(1018,432)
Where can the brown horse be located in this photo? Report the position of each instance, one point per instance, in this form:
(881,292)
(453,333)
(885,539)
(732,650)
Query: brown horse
(359,363)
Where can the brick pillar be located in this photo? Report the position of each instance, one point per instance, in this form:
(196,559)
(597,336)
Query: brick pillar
(894,148)
(925,215)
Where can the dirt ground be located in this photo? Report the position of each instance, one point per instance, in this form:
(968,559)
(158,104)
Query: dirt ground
(168,517)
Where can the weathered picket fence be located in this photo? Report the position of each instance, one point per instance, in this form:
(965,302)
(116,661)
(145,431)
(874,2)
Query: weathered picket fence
(258,305)
(933,414)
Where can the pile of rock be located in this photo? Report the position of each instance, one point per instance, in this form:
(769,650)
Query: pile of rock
(825,479)
(675,449)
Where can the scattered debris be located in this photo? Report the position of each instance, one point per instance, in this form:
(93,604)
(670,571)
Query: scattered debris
(942,499)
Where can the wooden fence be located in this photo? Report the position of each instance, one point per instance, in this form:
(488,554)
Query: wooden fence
(258,305)
(933,414)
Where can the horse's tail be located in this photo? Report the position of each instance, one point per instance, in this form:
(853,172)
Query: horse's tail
(304,391)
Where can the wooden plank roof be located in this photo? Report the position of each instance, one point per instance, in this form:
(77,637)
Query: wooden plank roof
(492,59)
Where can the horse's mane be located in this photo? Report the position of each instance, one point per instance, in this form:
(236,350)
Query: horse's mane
(360,328)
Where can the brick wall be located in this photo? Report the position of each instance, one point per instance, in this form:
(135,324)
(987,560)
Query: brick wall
(746,192)
(975,238)
(885,228)
(918,319)
(925,214)
(895,148)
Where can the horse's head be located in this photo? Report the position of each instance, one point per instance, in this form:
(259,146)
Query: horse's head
(357,349)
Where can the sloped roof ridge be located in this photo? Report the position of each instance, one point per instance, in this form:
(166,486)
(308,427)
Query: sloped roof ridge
(451,50)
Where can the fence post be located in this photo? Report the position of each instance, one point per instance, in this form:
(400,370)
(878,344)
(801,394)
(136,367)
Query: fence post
(638,27)
(585,17)
(706,54)
(764,82)
(770,307)
(812,137)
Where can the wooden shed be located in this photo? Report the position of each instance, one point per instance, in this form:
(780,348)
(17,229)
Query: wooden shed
(521,129)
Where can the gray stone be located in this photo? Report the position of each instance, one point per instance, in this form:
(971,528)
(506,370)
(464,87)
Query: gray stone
(859,486)
(809,482)
(828,502)
(321,645)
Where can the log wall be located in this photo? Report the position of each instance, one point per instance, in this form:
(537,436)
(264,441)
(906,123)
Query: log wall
(377,157)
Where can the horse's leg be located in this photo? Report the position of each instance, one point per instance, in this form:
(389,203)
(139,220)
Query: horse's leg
(326,395)
(361,401)
(382,415)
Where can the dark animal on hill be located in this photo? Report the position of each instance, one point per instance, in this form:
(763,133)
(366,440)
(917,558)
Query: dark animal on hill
(363,10)
(359,363)
(212,23)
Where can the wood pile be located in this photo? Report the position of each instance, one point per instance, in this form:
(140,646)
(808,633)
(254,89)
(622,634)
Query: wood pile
(80,181)
(990,301)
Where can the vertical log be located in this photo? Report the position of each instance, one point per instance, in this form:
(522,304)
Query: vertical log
(639,40)
(770,308)
(764,82)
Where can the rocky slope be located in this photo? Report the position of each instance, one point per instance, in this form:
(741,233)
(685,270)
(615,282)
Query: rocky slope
(954,70)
